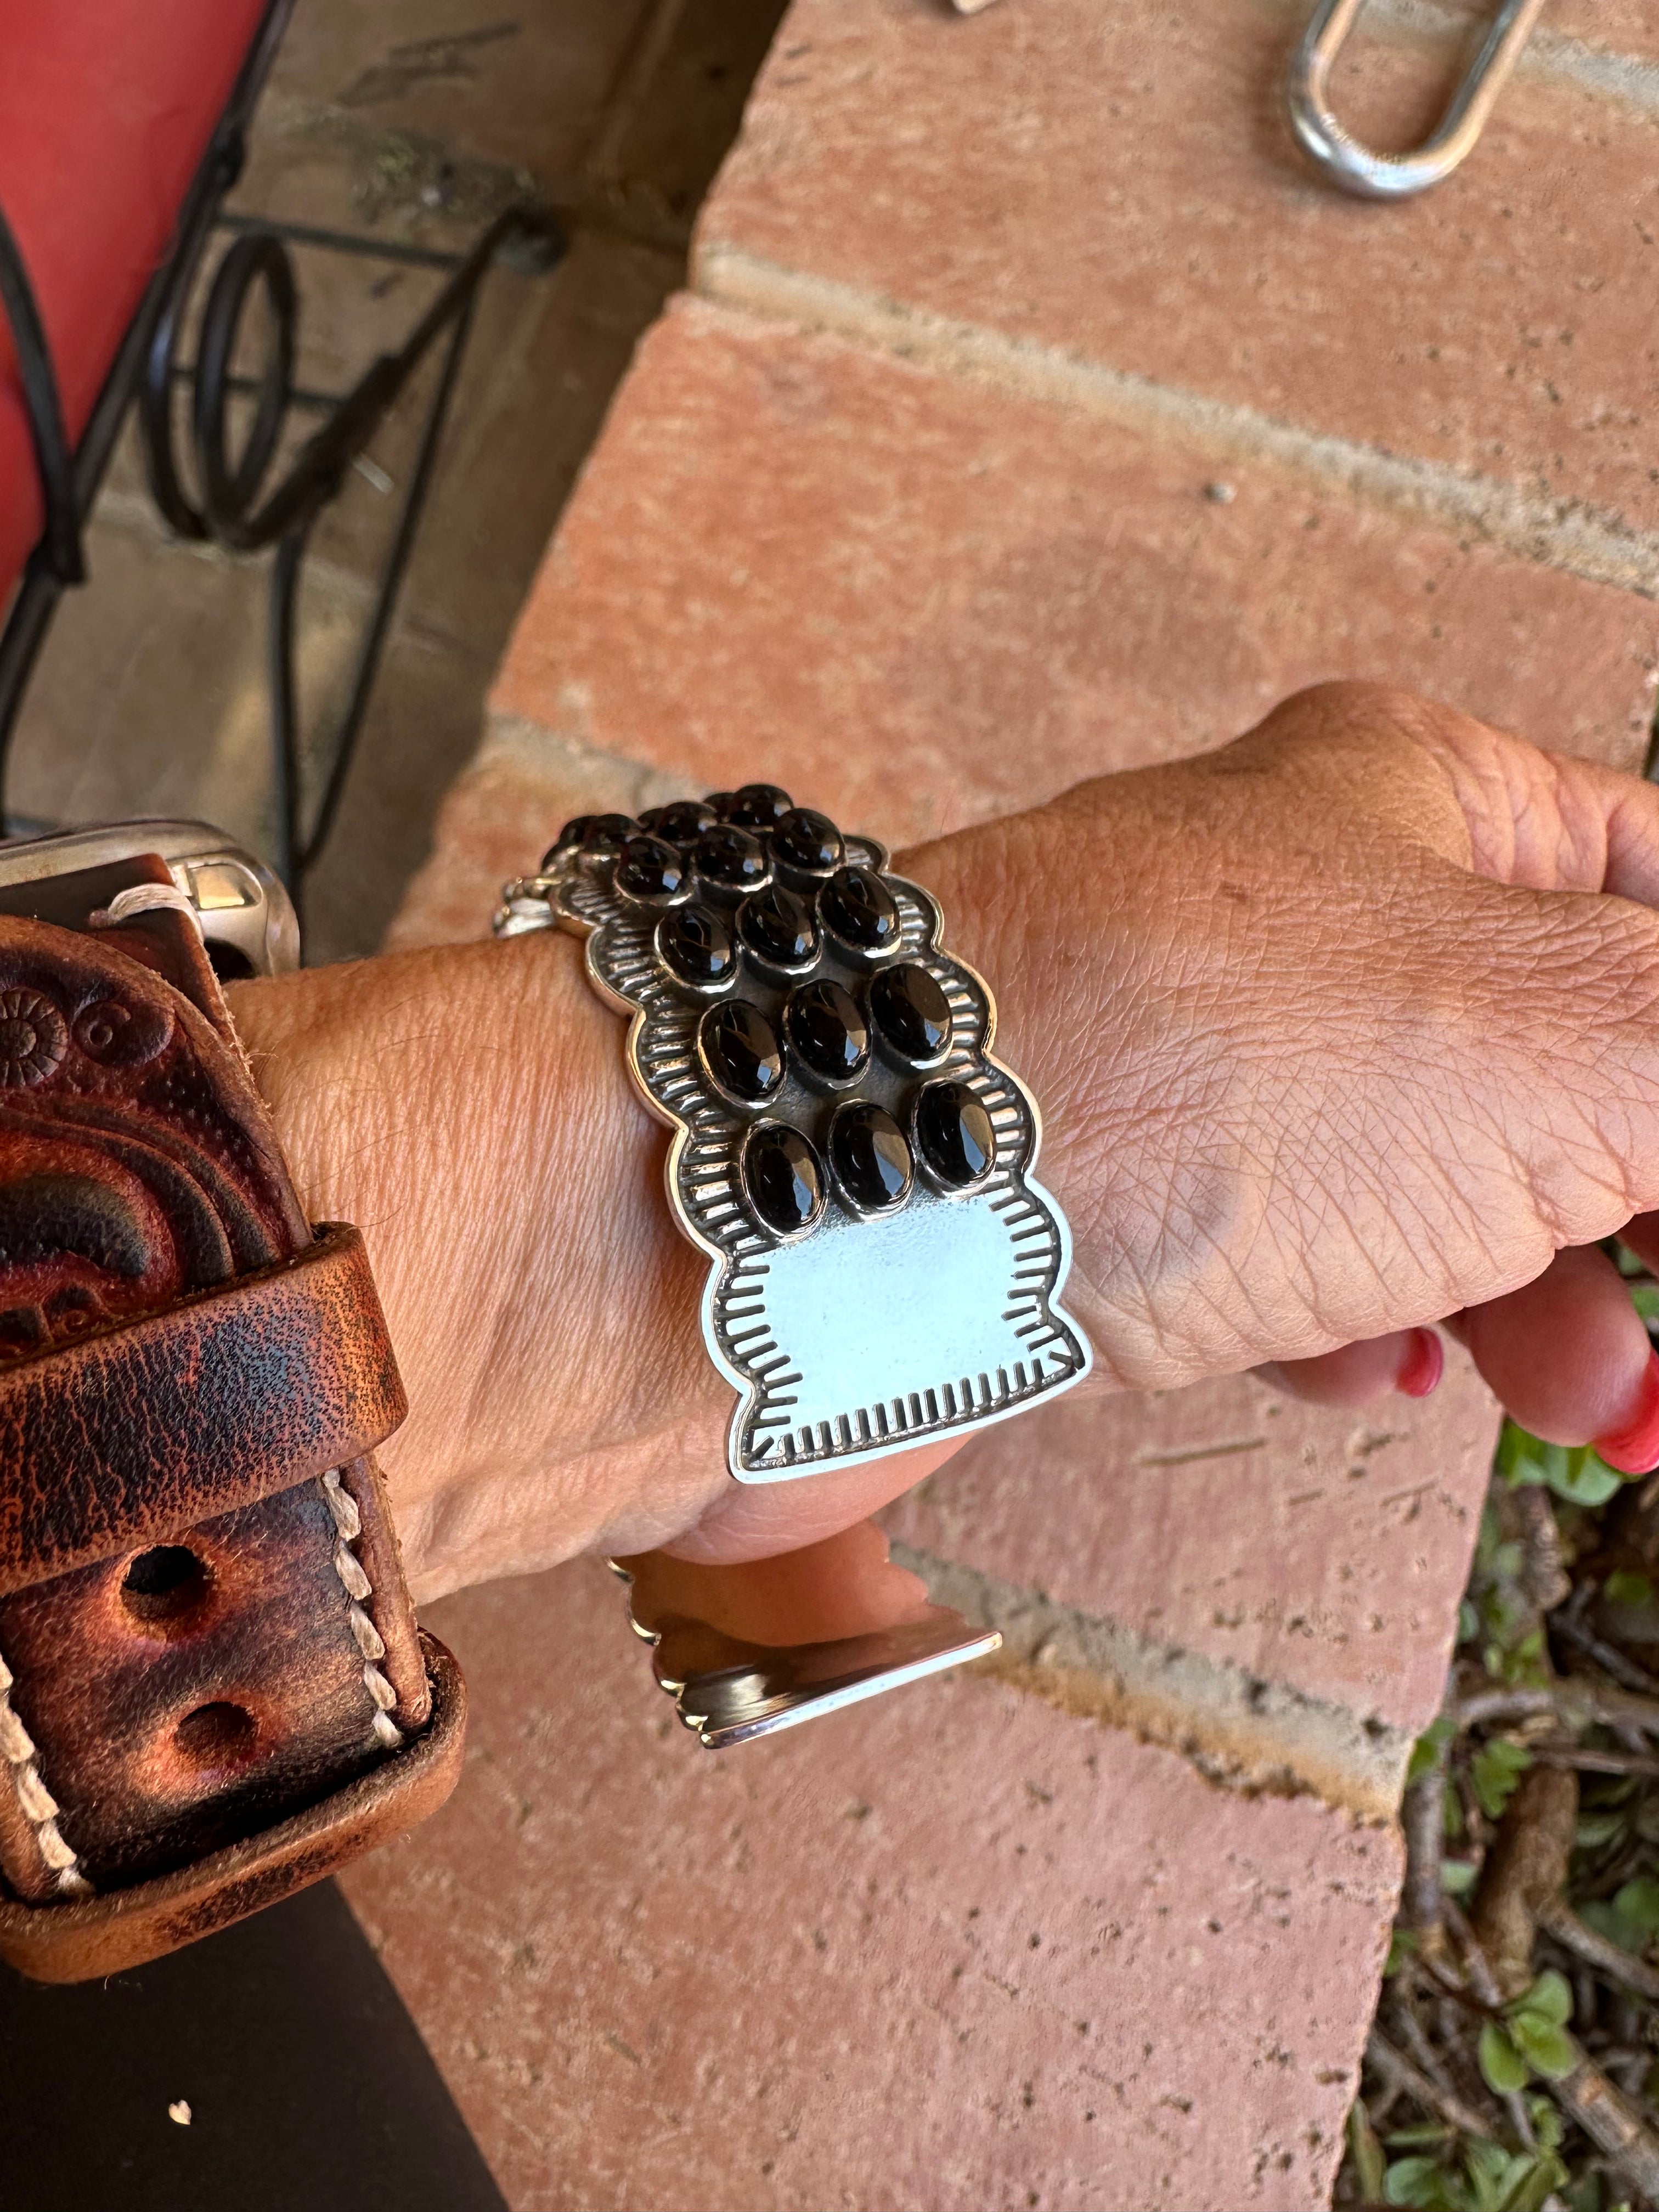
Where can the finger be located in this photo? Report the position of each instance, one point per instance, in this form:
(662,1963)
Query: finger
(1569,1357)
(754,1520)
(1410,1360)
(844,1586)
(1545,822)
(1489,801)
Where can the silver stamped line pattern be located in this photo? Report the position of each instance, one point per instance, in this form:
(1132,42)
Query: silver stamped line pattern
(868,1334)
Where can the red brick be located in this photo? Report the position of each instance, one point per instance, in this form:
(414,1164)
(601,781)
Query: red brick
(922,601)
(952,1949)
(1318,1547)
(1118,182)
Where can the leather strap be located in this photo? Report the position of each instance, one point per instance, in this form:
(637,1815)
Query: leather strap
(119,1438)
(211,1686)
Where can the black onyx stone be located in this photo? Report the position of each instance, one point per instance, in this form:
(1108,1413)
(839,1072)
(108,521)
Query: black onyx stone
(809,842)
(826,1031)
(697,946)
(740,1050)
(571,833)
(778,927)
(682,822)
(870,1157)
(857,906)
(782,1178)
(649,870)
(606,834)
(754,806)
(955,1133)
(731,859)
(912,1012)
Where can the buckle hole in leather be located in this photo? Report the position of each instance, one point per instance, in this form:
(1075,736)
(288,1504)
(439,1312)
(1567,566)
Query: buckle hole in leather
(165,1588)
(218,1736)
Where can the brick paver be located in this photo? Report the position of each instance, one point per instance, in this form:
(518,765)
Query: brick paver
(874,1965)
(1323,1548)
(1117,184)
(924,600)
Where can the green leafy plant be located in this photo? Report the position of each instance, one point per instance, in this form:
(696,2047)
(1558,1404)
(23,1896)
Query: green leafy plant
(1483,2178)
(1532,2037)
(1532,1830)
(1630,1917)
(1495,1769)
(1577,1474)
(1626,1588)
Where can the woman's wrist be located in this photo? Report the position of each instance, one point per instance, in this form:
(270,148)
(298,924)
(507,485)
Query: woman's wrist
(465,1107)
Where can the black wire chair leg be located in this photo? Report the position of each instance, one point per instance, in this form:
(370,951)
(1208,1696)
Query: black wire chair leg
(303,847)
(236,510)
(281,647)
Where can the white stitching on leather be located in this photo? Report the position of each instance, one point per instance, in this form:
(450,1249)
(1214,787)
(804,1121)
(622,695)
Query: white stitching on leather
(348,1525)
(35,1801)
(145,898)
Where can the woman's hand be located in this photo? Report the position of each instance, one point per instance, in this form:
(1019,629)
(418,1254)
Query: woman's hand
(1375,1001)
(1349,1027)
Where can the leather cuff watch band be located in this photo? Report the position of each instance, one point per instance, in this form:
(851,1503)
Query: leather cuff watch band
(212,1689)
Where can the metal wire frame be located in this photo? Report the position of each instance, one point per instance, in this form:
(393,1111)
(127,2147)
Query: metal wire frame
(234,505)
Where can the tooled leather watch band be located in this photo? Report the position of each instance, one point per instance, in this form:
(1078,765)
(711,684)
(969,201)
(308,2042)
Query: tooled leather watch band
(212,1687)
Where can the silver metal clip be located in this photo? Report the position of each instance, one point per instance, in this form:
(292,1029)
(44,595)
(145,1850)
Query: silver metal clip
(1374,176)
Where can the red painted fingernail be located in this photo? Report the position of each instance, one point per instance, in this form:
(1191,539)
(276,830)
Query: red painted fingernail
(1423,1366)
(1634,1449)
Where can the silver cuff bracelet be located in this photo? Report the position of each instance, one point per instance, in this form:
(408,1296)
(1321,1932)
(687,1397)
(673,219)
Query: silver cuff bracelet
(885,1268)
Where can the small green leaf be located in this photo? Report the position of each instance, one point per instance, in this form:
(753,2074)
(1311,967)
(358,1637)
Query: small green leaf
(1549,1999)
(1426,1751)
(1495,1769)
(1547,2048)
(1605,1921)
(1623,1588)
(1581,1477)
(1427,2131)
(1504,2068)
(1491,2170)
(1594,1829)
(1488,2162)
(1638,1903)
(1645,1296)
(1520,1457)
(1403,1949)
(1521,1663)
(1417,2181)
(1469,1622)
(1458,1876)
(1530,2187)
(1546,2122)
